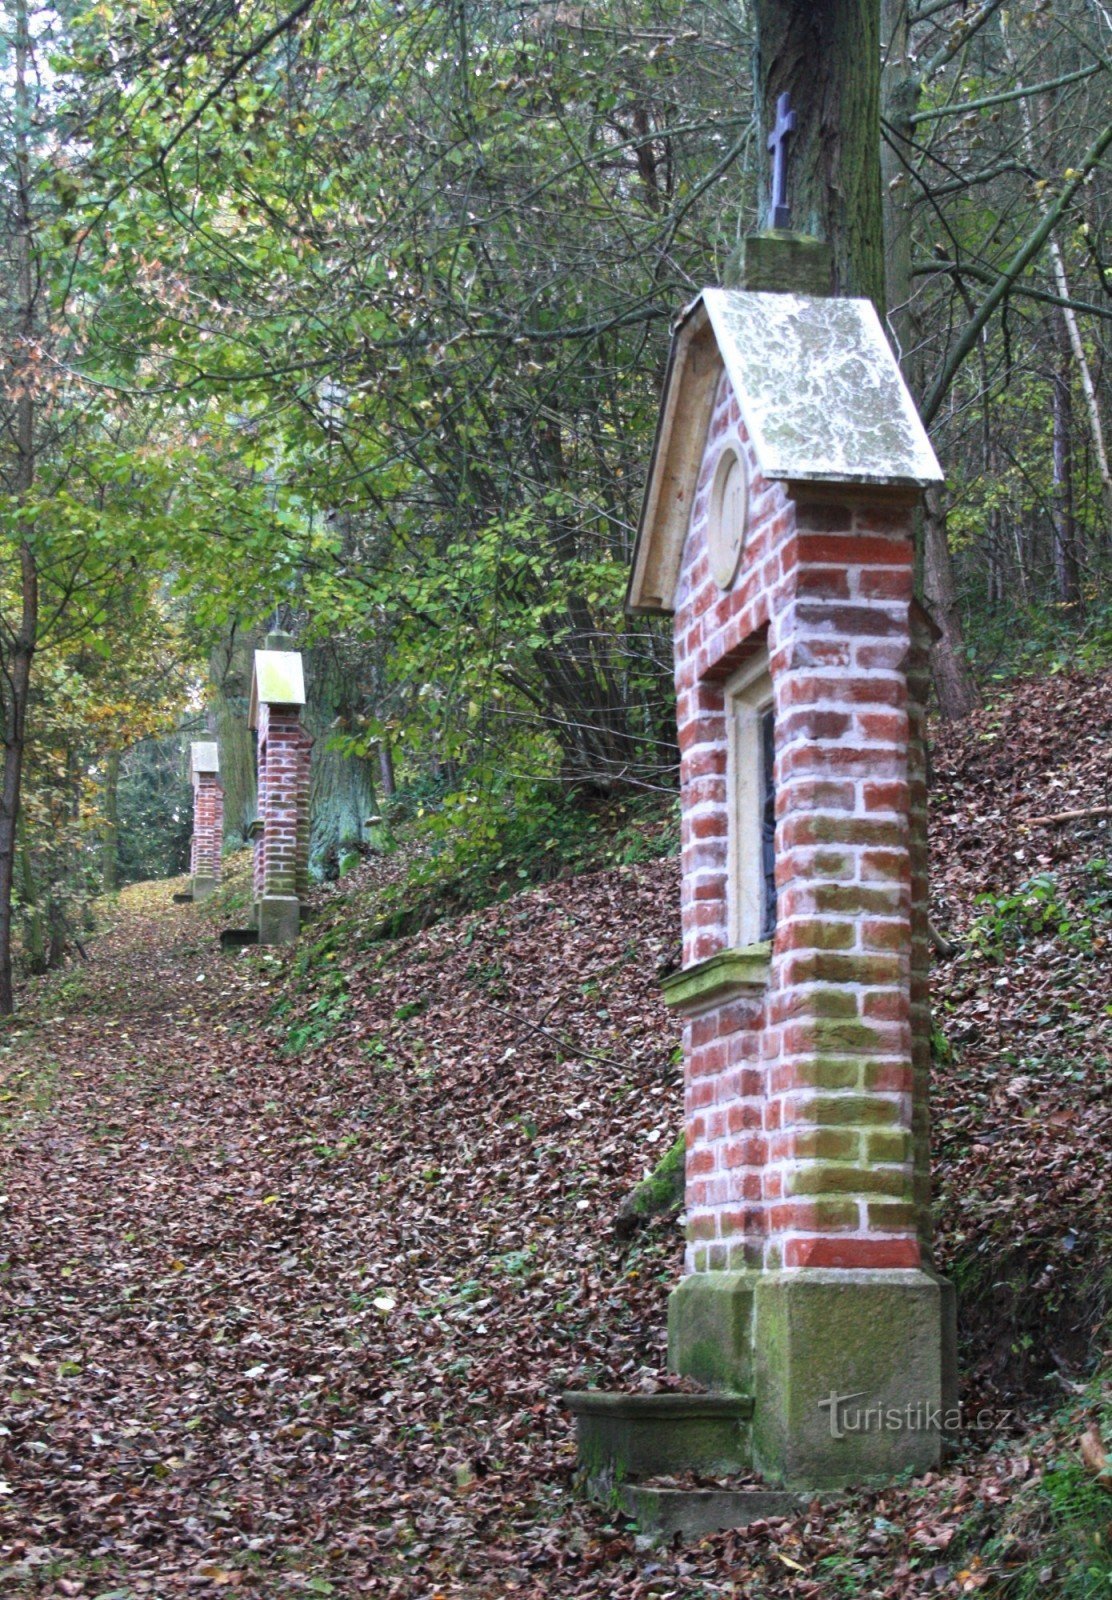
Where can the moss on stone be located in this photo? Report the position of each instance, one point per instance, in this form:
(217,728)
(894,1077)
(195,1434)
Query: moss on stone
(654,1196)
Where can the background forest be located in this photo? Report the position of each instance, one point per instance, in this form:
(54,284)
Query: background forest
(352,320)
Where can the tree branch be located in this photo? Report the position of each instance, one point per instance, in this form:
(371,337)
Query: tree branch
(1019,262)
(958,269)
(1009,94)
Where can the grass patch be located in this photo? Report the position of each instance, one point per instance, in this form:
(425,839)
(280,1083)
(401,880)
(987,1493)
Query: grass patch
(27,1092)
(1057,1536)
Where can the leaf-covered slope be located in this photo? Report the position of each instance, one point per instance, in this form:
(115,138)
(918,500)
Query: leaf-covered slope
(1023,1019)
(297,1255)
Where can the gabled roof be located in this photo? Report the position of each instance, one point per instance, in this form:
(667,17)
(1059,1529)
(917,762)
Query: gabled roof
(278,680)
(821,396)
(204,757)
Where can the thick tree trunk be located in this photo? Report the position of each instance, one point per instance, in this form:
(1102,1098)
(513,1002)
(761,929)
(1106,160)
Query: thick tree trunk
(386,768)
(827,57)
(341,791)
(110,837)
(19,647)
(230,671)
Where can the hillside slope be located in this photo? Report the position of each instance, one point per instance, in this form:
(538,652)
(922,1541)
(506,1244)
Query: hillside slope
(299,1253)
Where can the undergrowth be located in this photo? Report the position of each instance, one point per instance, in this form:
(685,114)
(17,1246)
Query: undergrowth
(466,853)
(1056,1537)
(1041,908)
(1017,641)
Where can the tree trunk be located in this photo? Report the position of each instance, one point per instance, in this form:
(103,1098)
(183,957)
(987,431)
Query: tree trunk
(341,789)
(19,648)
(230,669)
(110,837)
(1067,313)
(34,934)
(386,768)
(954,683)
(1066,577)
(827,57)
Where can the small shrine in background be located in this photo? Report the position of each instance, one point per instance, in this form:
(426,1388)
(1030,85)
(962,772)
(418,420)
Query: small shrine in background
(777,533)
(281,832)
(207,845)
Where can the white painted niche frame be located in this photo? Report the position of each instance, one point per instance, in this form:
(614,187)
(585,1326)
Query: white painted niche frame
(728,522)
(749,695)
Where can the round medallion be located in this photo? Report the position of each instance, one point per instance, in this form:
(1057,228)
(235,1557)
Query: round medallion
(729,514)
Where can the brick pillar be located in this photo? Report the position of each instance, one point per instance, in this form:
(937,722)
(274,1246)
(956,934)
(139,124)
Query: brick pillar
(258,827)
(839,1181)
(207,844)
(281,832)
(208,829)
(807,1058)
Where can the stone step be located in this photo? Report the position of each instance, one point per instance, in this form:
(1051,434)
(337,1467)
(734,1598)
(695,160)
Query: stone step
(693,1513)
(629,1436)
(185,899)
(237,938)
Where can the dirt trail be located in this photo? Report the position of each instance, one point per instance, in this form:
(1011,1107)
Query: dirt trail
(296,1322)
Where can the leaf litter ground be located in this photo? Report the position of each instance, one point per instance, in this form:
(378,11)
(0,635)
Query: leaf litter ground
(298,1255)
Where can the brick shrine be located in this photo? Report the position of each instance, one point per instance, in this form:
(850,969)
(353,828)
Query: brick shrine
(281,832)
(777,531)
(207,845)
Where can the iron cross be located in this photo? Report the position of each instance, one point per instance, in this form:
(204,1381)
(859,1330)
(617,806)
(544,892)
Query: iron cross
(778,144)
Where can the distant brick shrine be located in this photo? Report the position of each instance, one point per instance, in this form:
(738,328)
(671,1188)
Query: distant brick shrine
(206,848)
(777,531)
(281,834)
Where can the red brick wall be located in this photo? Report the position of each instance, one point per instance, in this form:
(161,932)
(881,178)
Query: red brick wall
(283,803)
(802,1102)
(208,826)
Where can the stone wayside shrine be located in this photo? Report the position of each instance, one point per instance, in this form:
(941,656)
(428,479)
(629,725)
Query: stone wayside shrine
(281,831)
(208,818)
(777,532)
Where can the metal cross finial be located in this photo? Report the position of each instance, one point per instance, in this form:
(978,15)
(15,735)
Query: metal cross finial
(778,144)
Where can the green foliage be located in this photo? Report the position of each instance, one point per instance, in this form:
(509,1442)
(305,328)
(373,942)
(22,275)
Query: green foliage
(155,810)
(1019,639)
(482,848)
(1038,910)
(323,1009)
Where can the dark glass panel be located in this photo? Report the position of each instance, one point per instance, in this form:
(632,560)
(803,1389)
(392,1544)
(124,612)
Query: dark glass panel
(768,823)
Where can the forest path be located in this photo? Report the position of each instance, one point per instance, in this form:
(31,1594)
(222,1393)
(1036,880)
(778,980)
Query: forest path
(230,1354)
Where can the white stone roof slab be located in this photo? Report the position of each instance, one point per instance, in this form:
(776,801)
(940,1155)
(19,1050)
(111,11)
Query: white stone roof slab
(278,680)
(822,398)
(204,756)
(820,391)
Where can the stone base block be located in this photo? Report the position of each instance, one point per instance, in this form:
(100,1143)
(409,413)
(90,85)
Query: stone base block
(624,1436)
(695,1513)
(183,899)
(203,887)
(852,1372)
(710,1329)
(279,918)
(238,938)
